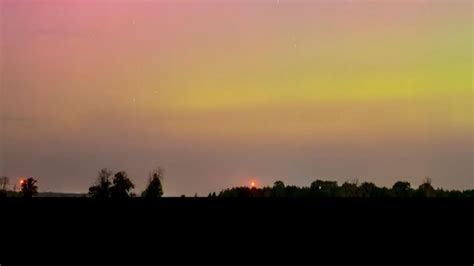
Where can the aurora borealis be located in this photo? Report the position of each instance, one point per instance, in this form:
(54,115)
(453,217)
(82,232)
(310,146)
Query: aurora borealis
(221,92)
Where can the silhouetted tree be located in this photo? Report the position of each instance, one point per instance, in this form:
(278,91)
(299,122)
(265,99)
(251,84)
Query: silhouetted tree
(154,188)
(102,187)
(279,184)
(4,181)
(279,189)
(426,189)
(349,190)
(121,186)
(29,188)
(402,189)
(368,190)
(3,186)
(316,186)
(320,188)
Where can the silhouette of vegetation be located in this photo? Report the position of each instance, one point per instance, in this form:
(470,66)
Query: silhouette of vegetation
(402,190)
(426,189)
(101,189)
(352,189)
(122,186)
(154,188)
(4,181)
(29,188)
(369,190)
(119,186)
(279,189)
(321,188)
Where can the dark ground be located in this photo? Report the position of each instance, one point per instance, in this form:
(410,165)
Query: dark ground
(396,226)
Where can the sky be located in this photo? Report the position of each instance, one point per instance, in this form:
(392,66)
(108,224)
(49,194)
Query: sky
(222,92)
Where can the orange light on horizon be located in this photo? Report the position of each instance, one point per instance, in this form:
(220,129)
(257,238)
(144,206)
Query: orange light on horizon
(253,184)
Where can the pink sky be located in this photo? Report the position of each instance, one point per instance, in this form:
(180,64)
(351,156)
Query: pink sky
(221,92)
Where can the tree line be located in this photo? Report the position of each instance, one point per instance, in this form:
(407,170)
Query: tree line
(119,185)
(353,189)
(107,185)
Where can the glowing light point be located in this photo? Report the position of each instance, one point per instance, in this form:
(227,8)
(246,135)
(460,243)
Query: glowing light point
(253,184)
